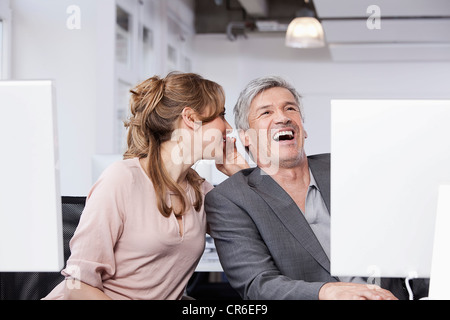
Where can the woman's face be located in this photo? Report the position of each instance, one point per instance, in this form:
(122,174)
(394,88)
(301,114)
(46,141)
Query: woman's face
(213,138)
(200,140)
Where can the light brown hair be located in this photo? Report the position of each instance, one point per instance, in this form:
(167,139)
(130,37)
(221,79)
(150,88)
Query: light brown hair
(156,104)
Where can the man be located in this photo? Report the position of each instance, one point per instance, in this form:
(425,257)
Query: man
(271,224)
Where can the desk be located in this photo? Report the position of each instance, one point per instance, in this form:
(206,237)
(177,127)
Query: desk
(209,261)
(208,281)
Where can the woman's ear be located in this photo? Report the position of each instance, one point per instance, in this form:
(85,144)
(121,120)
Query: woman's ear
(188,116)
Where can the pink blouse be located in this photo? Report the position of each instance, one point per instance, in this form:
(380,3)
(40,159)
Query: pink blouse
(124,246)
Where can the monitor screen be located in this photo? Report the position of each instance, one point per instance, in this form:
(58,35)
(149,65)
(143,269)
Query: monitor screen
(30,200)
(388,161)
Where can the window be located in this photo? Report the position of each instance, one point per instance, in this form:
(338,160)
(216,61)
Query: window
(149,46)
(187,67)
(172,58)
(179,38)
(126,63)
(122,98)
(123,36)
(148,52)
(174,38)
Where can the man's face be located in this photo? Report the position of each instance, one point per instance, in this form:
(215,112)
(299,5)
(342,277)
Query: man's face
(276,135)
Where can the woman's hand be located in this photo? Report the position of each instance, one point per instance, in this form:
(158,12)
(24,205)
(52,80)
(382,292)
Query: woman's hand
(232,161)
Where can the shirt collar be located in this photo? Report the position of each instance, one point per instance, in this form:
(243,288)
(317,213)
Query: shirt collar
(312,181)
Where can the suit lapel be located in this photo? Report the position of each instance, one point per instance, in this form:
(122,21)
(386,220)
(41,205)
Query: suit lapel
(289,214)
(321,171)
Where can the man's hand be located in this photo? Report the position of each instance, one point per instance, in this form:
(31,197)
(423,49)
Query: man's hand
(353,291)
(232,161)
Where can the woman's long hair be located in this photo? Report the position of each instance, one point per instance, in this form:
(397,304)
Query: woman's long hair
(156,105)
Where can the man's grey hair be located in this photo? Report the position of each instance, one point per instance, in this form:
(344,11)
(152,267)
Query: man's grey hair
(255,87)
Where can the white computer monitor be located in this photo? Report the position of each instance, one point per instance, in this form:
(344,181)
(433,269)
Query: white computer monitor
(388,161)
(30,201)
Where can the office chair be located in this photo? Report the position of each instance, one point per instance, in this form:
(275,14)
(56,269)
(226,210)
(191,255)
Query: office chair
(36,285)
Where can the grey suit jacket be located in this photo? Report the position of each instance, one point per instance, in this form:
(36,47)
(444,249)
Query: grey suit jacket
(265,245)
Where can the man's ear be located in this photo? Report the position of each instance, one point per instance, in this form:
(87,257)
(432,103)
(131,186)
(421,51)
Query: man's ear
(245,137)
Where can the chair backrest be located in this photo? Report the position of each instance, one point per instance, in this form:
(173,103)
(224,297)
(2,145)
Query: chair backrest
(36,285)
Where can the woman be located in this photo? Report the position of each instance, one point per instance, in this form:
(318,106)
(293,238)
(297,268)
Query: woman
(142,232)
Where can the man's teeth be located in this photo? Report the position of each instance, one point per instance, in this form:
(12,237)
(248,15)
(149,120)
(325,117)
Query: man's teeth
(287,134)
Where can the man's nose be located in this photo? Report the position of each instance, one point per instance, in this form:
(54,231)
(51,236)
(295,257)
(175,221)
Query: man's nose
(281,117)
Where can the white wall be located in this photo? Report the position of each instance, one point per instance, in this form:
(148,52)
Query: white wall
(82,64)
(316,77)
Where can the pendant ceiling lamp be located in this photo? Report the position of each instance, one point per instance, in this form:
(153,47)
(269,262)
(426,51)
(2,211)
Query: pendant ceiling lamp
(305,31)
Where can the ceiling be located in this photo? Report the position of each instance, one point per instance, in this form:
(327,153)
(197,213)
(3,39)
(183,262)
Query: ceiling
(355,30)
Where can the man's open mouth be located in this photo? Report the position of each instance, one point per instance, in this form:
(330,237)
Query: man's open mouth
(284,135)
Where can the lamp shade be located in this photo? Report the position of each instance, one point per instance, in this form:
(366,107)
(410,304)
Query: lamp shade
(305,32)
